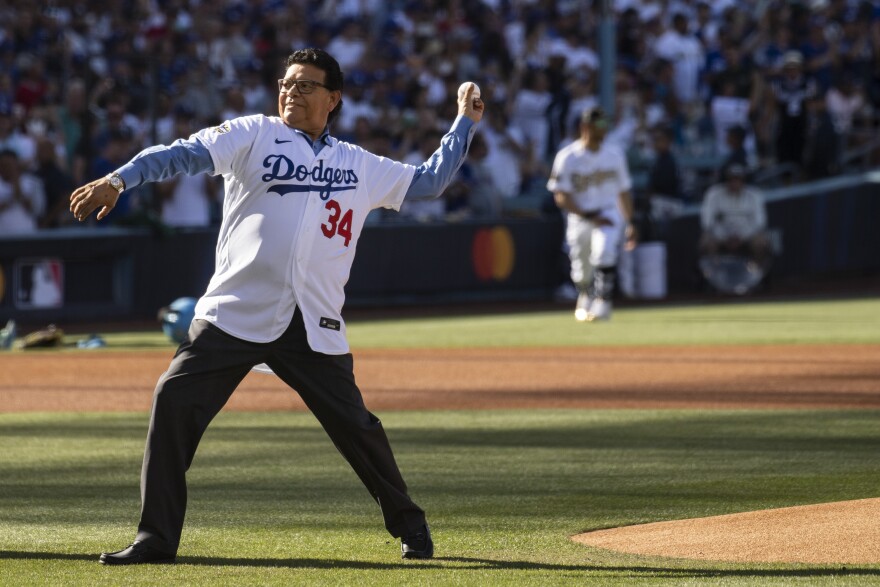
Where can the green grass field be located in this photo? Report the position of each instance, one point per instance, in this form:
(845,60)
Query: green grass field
(795,322)
(272,503)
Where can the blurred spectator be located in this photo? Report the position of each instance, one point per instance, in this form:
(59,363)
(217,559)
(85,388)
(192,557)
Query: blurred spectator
(118,116)
(234,104)
(22,199)
(580,58)
(357,105)
(349,45)
(844,102)
(7,93)
(507,154)
(528,112)
(201,90)
(665,198)
(57,183)
(627,115)
(773,40)
(165,115)
(705,27)
(116,149)
(430,210)
(819,54)
(728,110)
(187,200)
(536,47)
(103,122)
(737,154)
(630,38)
(257,98)
(791,94)
(71,118)
(561,98)
(856,48)
(680,47)
(822,151)
(12,138)
(484,200)
(734,219)
(32,87)
(582,93)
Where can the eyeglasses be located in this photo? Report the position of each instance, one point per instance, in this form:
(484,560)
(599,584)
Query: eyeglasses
(305,86)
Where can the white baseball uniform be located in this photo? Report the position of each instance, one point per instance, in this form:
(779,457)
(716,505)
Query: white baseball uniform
(595,181)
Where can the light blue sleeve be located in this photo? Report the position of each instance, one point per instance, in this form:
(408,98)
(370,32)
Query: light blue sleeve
(188,156)
(434,175)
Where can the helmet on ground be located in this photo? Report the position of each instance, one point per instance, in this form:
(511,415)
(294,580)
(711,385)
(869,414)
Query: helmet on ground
(177,317)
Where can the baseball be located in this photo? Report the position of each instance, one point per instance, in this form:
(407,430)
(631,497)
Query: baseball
(463,88)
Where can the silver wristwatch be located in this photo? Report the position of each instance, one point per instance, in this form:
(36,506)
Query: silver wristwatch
(116,182)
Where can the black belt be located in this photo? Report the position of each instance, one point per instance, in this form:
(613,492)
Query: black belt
(591,214)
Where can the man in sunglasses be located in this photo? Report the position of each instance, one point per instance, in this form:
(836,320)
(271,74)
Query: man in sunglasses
(590,181)
(295,202)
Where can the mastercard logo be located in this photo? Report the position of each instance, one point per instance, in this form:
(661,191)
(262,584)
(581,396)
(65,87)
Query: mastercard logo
(493,253)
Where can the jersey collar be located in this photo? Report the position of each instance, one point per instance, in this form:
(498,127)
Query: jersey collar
(318,144)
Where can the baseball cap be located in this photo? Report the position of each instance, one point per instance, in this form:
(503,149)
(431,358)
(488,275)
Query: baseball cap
(596,116)
(792,58)
(736,170)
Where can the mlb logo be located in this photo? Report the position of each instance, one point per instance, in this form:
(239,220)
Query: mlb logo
(39,283)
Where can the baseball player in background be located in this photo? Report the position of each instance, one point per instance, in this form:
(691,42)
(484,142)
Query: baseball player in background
(295,202)
(590,181)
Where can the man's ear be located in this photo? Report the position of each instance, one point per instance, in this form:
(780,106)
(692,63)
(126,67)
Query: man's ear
(334,98)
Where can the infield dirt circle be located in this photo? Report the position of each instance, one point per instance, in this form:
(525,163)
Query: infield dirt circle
(839,376)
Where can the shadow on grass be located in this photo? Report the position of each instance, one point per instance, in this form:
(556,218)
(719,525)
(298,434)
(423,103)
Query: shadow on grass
(469,563)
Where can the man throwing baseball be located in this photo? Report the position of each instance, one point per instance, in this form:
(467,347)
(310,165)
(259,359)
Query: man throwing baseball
(590,181)
(295,203)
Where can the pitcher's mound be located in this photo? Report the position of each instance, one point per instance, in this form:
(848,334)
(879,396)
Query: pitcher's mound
(846,532)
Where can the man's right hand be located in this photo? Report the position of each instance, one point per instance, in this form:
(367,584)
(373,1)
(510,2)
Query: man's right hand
(471,107)
(90,197)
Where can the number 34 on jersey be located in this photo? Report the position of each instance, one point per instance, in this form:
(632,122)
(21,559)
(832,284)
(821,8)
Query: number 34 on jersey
(339,222)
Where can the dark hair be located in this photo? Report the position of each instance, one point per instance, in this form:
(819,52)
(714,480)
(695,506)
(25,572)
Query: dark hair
(594,115)
(326,63)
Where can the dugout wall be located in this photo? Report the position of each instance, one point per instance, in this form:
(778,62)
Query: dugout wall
(98,274)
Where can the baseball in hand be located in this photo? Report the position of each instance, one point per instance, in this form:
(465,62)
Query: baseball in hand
(463,88)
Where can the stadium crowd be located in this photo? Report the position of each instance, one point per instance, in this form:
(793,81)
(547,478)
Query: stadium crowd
(699,85)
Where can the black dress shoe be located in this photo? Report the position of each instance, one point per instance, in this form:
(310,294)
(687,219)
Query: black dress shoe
(136,554)
(418,544)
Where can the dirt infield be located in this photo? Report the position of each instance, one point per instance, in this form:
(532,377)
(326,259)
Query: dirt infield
(650,377)
(829,533)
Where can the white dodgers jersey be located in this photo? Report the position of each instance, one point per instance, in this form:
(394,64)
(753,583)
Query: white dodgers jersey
(291,222)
